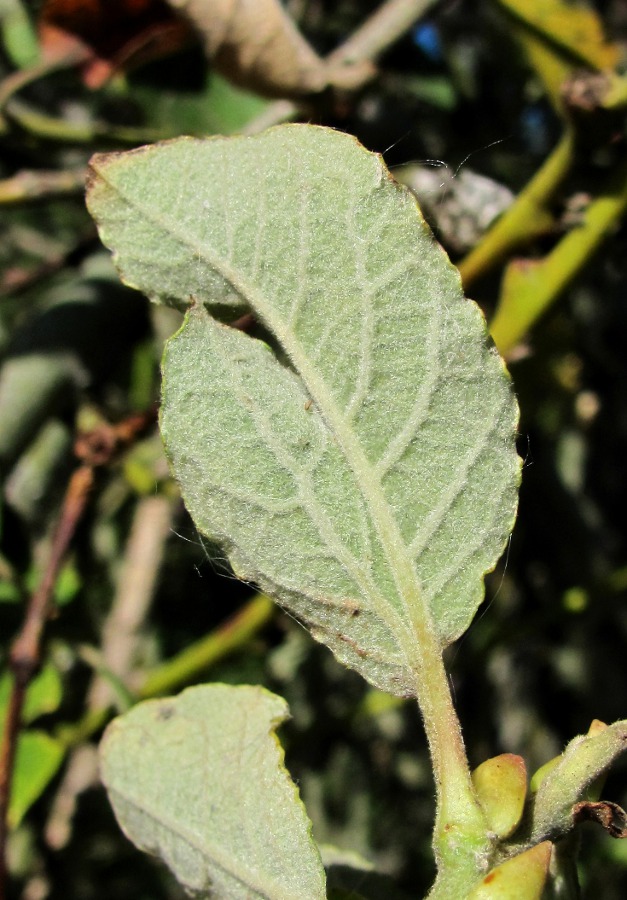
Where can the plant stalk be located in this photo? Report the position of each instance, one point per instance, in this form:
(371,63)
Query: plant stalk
(525,219)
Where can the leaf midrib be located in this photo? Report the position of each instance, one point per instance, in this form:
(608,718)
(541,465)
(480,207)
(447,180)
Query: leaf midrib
(416,631)
(210,851)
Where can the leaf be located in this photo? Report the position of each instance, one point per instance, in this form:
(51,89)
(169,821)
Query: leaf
(522,877)
(370,482)
(199,781)
(43,695)
(564,781)
(110,37)
(501,785)
(38,755)
(37,761)
(256,45)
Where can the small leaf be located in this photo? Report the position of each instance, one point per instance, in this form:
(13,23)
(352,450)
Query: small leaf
(43,695)
(199,781)
(501,785)
(364,474)
(566,779)
(520,878)
(37,761)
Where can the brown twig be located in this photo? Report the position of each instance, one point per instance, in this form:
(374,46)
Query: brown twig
(95,449)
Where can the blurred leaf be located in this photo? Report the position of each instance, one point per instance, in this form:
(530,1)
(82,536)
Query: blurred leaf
(560,37)
(218,108)
(68,584)
(18,35)
(38,756)
(110,36)
(89,325)
(256,45)
(37,761)
(394,382)
(199,781)
(574,28)
(42,697)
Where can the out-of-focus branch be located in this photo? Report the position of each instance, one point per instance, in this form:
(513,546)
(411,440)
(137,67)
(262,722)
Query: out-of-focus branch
(531,286)
(185,667)
(134,593)
(94,450)
(198,657)
(365,45)
(527,217)
(28,186)
(135,589)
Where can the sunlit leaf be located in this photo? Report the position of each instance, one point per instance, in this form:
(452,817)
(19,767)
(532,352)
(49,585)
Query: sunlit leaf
(363,472)
(37,761)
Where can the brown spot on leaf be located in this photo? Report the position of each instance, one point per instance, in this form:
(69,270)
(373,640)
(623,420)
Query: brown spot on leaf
(166,711)
(351,606)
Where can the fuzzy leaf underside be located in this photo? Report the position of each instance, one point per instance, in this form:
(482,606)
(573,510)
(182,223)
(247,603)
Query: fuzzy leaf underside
(198,780)
(363,471)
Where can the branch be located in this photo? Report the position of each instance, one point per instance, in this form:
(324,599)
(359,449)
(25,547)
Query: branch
(95,449)
(365,45)
(32,185)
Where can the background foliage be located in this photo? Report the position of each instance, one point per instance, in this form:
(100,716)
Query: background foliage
(141,605)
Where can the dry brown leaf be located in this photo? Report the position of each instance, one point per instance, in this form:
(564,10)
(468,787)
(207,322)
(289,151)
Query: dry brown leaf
(256,45)
(111,35)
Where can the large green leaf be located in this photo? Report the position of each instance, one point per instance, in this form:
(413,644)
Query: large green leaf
(199,781)
(363,472)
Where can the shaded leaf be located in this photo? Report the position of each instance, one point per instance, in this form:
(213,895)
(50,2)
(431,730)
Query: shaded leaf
(370,483)
(110,36)
(199,781)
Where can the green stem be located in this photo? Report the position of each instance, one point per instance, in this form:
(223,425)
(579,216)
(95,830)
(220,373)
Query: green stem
(51,128)
(530,288)
(525,219)
(209,650)
(183,667)
(460,838)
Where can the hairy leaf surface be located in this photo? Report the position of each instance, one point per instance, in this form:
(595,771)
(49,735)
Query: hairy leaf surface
(199,781)
(362,471)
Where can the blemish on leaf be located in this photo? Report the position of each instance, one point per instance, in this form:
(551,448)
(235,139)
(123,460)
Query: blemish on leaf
(166,712)
(351,606)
